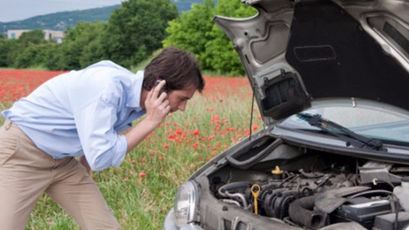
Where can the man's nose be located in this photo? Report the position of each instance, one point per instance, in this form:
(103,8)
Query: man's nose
(182,106)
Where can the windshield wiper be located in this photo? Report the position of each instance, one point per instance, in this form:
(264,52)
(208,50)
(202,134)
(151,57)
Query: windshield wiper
(343,133)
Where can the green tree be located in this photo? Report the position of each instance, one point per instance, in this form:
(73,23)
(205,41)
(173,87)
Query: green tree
(191,30)
(81,46)
(17,54)
(136,29)
(54,57)
(220,54)
(31,37)
(32,55)
(196,32)
(6,49)
(94,50)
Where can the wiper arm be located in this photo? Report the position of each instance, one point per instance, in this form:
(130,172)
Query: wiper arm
(341,132)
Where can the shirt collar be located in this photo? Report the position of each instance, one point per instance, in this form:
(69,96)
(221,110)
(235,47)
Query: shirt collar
(134,95)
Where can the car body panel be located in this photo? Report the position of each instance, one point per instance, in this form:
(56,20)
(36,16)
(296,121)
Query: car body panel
(309,56)
(351,49)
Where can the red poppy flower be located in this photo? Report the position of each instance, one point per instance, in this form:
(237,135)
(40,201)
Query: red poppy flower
(142,174)
(196,132)
(195,145)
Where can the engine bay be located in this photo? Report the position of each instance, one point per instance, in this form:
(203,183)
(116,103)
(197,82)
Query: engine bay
(310,188)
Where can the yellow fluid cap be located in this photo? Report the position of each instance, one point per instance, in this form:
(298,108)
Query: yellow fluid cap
(277,171)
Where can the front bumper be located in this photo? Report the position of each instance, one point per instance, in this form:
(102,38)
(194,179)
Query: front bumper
(170,223)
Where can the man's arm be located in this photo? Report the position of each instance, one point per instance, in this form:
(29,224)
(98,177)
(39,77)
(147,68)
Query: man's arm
(157,108)
(99,138)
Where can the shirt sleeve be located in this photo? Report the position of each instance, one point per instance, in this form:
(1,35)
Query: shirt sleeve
(103,147)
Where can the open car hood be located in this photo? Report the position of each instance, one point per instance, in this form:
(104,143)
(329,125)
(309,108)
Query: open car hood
(295,52)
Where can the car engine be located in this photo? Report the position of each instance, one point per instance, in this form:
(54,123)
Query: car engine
(311,188)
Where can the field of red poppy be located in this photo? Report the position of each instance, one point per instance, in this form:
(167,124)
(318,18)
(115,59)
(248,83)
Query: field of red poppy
(141,191)
(18,83)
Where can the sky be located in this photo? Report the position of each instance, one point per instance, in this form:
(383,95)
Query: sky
(13,10)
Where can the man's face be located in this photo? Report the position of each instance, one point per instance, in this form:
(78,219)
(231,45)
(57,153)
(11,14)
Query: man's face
(179,98)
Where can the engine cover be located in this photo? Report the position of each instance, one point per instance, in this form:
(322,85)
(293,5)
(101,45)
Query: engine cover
(362,210)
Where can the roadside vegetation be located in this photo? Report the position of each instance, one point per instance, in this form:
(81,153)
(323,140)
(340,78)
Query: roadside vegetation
(134,31)
(142,190)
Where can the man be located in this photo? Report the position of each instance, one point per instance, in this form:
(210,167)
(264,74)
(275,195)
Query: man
(83,113)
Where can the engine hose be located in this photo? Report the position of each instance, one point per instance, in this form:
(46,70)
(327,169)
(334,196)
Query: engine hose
(231,202)
(240,197)
(370,192)
(301,212)
(311,175)
(226,189)
(233,186)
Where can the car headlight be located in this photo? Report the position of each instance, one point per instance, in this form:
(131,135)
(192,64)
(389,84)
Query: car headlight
(186,203)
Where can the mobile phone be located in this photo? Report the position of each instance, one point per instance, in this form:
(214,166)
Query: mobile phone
(163,89)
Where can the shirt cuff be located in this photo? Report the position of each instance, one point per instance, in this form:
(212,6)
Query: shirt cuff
(121,147)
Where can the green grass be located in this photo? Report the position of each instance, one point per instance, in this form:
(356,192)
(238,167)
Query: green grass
(142,202)
(141,65)
(38,67)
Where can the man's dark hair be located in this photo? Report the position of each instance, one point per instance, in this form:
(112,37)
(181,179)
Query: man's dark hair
(179,68)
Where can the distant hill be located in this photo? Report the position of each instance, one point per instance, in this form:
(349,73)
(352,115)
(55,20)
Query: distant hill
(60,20)
(67,19)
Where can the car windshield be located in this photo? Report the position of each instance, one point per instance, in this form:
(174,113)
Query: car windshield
(370,119)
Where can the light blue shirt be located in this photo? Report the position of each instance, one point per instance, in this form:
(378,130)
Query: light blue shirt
(82,112)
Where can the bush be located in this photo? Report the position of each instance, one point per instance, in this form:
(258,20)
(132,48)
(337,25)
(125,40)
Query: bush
(195,31)
(136,30)
(32,55)
(6,50)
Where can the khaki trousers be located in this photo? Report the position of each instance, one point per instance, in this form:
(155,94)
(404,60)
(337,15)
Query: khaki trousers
(26,173)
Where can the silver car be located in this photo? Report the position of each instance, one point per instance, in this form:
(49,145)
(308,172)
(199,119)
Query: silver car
(331,81)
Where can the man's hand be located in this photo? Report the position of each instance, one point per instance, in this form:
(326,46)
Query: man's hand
(157,108)
(156,104)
